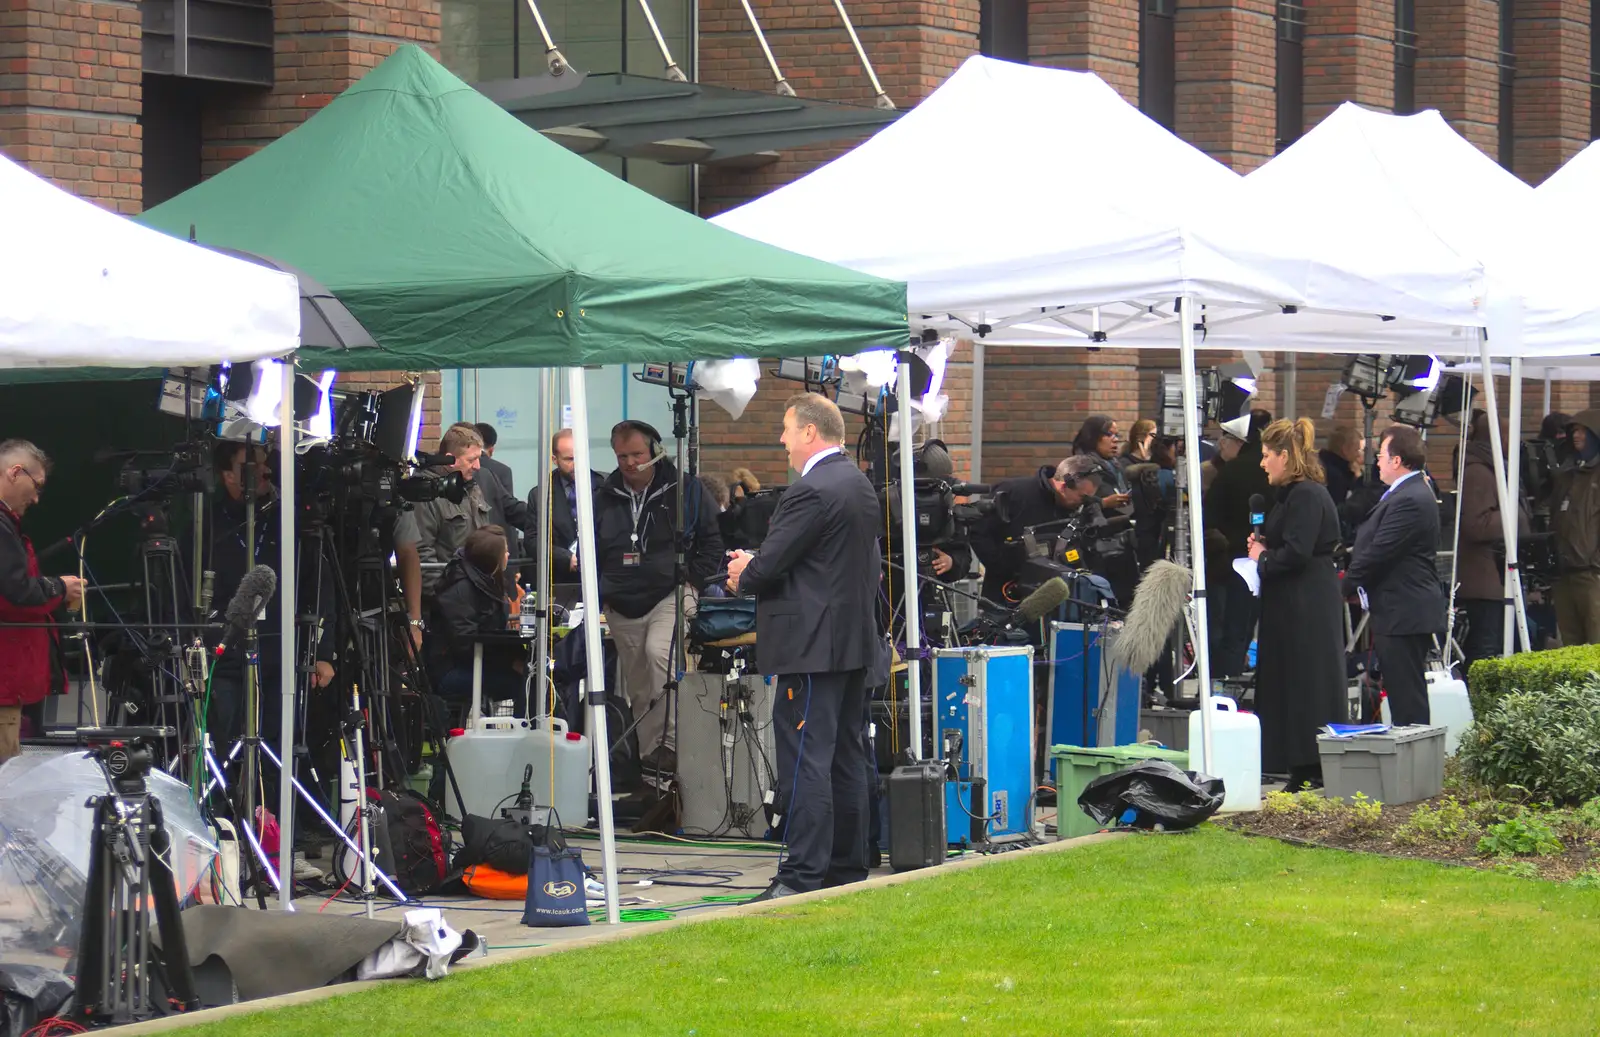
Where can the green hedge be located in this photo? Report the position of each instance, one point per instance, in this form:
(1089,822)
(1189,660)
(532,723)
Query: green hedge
(1491,679)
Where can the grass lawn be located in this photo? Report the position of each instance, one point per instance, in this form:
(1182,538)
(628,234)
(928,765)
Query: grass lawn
(1207,933)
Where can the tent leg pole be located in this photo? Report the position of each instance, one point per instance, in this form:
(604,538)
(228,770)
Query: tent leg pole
(286,618)
(595,683)
(1547,375)
(1455,541)
(1517,617)
(542,550)
(977,410)
(1508,521)
(908,541)
(1197,529)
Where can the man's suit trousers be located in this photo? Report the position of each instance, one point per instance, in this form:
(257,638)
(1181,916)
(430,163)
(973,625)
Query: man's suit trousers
(820,725)
(1404,658)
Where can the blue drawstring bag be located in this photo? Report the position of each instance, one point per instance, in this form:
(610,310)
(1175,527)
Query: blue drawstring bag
(556,895)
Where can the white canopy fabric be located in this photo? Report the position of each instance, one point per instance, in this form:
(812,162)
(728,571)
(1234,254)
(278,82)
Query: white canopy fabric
(84,287)
(1555,259)
(1096,228)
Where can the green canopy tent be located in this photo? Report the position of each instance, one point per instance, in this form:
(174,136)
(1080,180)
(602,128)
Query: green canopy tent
(459,237)
(462,238)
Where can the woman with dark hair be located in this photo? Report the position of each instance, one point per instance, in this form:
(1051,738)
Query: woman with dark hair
(471,601)
(1098,438)
(1300,669)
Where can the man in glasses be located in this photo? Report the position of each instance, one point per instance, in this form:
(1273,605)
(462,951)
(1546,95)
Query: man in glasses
(29,668)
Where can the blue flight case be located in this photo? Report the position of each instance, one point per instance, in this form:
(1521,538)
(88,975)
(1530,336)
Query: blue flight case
(1090,704)
(983,722)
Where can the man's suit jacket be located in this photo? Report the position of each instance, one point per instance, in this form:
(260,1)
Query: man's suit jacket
(1394,561)
(816,576)
(500,470)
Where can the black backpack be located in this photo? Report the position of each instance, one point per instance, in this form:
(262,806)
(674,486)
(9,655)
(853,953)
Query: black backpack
(406,843)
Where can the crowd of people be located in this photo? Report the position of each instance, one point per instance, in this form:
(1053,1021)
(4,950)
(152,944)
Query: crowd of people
(1346,529)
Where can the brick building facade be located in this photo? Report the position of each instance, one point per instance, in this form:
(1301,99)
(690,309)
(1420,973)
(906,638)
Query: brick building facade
(1238,78)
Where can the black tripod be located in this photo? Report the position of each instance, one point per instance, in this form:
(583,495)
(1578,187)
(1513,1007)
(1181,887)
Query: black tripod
(116,960)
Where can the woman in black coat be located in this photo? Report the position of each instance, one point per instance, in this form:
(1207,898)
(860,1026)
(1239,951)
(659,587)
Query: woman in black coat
(471,600)
(1300,667)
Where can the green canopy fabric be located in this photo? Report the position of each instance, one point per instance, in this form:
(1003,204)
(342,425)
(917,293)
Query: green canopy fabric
(462,238)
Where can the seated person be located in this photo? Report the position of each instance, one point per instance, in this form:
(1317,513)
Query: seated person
(470,601)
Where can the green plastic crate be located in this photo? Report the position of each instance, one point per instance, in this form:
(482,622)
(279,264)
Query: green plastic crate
(1077,766)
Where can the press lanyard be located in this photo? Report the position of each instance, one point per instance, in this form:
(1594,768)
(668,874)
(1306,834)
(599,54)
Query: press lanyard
(637,502)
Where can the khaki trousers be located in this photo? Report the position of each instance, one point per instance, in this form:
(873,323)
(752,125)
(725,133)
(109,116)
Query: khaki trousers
(1578,608)
(10,732)
(644,659)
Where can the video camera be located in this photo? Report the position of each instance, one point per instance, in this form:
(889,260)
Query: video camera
(183,470)
(940,518)
(1085,541)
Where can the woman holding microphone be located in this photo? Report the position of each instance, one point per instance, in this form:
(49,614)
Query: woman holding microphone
(1300,668)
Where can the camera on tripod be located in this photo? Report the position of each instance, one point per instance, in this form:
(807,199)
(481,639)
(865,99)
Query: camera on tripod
(183,470)
(125,754)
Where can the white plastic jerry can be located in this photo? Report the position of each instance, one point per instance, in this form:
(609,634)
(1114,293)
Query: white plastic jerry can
(1236,753)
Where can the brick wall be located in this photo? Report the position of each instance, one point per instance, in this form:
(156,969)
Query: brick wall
(322,47)
(1458,68)
(1226,68)
(914,45)
(1349,55)
(69,95)
(1088,36)
(1551,100)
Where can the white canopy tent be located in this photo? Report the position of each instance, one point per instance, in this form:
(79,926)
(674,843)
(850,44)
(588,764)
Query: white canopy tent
(1167,245)
(86,287)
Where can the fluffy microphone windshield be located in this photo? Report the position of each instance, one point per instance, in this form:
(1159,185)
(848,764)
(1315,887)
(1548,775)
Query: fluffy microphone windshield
(255,590)
(1157,605)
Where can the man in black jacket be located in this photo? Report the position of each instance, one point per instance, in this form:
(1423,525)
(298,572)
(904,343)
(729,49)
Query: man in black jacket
(636,538)
(1393,563)
(227,552)
(815,582)
(563,510)
(1053,493)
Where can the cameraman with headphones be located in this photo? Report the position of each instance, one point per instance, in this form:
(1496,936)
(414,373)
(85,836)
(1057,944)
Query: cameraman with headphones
(636,538)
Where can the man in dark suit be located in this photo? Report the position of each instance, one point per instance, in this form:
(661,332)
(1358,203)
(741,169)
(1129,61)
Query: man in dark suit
(815,582)
(1394,565)
(499,469)
(563,510)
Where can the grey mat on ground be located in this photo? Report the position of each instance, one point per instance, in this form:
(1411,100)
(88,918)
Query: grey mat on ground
(278,952)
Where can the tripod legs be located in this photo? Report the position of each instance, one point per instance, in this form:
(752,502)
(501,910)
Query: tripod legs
(115,958)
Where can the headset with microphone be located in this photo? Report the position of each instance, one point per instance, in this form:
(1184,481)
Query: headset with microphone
(645,429)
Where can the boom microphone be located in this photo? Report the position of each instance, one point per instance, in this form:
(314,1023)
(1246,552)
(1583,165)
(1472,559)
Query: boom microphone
(255,590)
(1258,512)
(1158,603)
(1051,595)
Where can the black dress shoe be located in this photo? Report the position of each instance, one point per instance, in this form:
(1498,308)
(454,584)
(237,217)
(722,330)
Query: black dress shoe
(661,760)
(773,892)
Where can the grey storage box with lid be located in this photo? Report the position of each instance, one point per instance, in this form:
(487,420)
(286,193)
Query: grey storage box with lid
(1401,765)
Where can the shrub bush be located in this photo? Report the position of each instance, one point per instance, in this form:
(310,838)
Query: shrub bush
(1491,679)
(1525,836)
(1544,741)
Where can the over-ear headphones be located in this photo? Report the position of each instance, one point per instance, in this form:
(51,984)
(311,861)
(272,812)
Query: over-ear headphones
(643,428)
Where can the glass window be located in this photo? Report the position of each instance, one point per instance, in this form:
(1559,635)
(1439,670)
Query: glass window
(1003,29)
(1508,76)
(1290,87)
(1405,57)
(1158,79)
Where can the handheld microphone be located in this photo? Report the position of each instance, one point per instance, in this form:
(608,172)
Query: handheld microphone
(255,590)
(1258,512)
